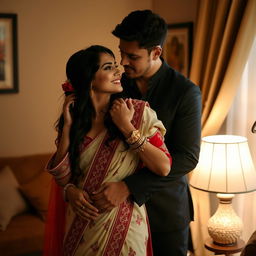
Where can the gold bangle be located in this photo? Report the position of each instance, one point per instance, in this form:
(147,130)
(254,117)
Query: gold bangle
(65,190)
(142,146)
(137,143)
(134,137)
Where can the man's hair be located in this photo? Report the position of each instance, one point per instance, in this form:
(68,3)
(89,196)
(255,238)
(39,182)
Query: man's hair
(143,26)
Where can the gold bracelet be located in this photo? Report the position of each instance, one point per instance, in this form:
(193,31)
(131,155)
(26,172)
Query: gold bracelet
(135,136)
(137,143)
(142,146)
(65,190)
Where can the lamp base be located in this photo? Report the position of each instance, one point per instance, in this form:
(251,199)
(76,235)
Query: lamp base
(223,249)
(222,244)
(225,227)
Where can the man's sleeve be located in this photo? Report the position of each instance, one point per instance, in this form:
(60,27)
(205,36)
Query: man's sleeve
(183,145)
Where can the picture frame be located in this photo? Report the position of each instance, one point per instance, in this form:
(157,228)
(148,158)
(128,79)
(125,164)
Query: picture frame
(8,53)
(177,49)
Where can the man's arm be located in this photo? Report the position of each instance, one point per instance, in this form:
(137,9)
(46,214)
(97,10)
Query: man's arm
(183,141)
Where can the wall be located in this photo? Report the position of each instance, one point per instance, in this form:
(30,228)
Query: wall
(176,11)
(48,33)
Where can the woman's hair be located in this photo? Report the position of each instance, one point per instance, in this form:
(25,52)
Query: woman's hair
(80,70)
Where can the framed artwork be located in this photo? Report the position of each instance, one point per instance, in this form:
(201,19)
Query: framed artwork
(8,53)
(177,49)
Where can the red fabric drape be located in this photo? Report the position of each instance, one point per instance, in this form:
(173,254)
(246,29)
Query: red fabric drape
(55,222)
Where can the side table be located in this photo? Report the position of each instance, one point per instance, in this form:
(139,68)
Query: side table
(227,250)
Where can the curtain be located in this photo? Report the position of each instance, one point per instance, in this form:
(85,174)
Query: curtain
(239,121)
(223,38)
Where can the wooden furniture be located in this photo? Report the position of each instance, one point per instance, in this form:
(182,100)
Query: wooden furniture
(226,250)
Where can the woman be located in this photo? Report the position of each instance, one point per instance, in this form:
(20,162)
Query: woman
(101,140)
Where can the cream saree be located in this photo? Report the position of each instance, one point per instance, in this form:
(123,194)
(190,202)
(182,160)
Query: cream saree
(123,231)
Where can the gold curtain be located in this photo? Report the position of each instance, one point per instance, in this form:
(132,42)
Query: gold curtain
(224,34)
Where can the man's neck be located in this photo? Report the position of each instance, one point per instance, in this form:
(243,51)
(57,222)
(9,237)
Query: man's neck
(143,81)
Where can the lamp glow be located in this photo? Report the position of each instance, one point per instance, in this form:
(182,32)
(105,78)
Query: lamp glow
(225,167)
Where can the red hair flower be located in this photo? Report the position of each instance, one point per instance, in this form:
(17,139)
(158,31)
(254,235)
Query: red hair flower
(67,87)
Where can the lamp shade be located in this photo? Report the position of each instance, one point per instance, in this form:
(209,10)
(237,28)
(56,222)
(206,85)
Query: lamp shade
(225,166)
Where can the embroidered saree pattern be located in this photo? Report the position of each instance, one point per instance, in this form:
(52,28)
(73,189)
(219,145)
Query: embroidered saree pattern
(96,175)
(124,230)
(119,230)
(94,179)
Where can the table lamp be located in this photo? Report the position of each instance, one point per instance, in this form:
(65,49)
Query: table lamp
(225,167)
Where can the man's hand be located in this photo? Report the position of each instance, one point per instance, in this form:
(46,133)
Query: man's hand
(110,195)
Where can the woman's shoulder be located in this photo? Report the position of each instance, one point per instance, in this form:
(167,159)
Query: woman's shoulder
(141,103)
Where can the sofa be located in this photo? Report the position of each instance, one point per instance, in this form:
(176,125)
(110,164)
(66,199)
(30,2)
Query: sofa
(24,195)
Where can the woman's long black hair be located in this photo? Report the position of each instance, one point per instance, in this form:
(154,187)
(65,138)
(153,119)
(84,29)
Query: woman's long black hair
(80,70)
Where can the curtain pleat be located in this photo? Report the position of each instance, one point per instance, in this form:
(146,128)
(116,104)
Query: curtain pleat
(224,34)
(220,100)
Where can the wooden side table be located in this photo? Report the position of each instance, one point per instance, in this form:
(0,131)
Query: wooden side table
(227,250)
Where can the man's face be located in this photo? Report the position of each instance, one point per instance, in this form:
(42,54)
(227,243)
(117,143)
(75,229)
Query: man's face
(137,62)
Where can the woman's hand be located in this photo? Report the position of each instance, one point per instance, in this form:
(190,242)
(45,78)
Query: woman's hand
(122,112)
(81,203)
(69,101)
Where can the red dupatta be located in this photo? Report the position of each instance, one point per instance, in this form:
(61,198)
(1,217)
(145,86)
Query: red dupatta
(55,222)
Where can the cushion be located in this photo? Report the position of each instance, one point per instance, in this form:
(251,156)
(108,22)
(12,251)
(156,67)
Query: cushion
(37,191)
(27,167)
(11,200)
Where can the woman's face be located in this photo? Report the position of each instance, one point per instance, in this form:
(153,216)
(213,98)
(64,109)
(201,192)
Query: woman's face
(107,78)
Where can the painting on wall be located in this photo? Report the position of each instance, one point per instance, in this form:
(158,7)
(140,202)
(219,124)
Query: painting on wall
(8,53)
(178,47)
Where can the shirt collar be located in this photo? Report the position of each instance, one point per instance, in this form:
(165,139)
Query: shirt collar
(159,73)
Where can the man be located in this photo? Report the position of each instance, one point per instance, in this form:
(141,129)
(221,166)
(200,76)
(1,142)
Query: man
(177,102)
